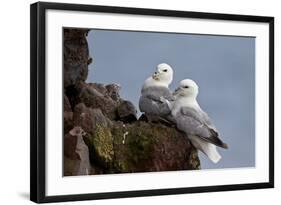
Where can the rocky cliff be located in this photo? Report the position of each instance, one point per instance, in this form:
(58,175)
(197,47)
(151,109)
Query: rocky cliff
(102,132)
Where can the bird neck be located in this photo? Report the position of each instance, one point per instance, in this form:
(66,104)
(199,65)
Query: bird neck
(150,82)
(187,101)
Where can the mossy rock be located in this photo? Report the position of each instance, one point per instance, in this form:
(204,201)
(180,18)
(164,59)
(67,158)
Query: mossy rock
(142,147)
(194,159)
(101,146)
(132,146)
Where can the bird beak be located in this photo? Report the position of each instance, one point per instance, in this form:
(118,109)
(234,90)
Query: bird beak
(176,91)
(155,76)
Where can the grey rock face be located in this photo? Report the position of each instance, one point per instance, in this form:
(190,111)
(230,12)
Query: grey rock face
(96,96)
(76,154)
(89,118)
(127,112)
(76,56)
(67,115)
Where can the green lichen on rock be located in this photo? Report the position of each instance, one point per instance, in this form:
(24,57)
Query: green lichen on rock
(101,146)
(132,146)
(120,157)
(141,146)
(194,159)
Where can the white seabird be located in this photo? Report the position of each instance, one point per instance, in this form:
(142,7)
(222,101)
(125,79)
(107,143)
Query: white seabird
(156,97)
(192,120)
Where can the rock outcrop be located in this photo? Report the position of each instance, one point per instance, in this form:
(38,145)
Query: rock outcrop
(111,138)
(76,56)
(76,153)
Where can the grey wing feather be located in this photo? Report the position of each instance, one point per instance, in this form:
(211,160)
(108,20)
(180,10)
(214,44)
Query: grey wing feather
(154,107)
(170,97)
(158,92)
(192,122)
(153,97)
(208,120)
(150,101)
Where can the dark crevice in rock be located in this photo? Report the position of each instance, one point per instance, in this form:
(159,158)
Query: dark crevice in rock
(72,94)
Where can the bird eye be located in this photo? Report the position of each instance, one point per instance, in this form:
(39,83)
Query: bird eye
(165,70)
(186,86)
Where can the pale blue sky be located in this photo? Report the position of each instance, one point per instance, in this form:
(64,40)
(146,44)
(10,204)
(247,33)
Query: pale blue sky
(222,66)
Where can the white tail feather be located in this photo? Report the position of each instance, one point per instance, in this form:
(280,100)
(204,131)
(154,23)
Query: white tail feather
(209,149)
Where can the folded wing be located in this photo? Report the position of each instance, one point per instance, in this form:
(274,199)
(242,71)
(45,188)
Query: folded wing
(151,101)
(197,123)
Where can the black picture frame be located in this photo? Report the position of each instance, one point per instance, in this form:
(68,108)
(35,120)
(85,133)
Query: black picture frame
(38,100)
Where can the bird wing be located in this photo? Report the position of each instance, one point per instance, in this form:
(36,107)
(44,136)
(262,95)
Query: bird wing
(191,122)
(155,92)
(151,103)
(169,96)
(208,121)
(153,97)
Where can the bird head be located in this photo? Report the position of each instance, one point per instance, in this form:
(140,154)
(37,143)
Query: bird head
(163,73)
(187,88)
